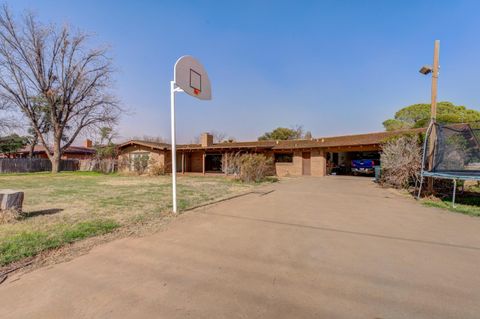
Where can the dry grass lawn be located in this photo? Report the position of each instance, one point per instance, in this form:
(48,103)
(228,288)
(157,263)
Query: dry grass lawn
(66,207)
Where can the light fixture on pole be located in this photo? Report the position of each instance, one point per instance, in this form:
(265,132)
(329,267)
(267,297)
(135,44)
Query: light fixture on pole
(427,69)
(189,77)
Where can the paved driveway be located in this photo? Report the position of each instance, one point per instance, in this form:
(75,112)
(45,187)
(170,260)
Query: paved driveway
(313,248)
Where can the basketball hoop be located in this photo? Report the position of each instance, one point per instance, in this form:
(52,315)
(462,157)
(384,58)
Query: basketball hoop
(189,77)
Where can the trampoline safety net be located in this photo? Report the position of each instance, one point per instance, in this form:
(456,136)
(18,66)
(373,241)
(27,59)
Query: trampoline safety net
(456,149)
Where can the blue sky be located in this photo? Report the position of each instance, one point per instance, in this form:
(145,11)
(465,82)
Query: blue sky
(335,67)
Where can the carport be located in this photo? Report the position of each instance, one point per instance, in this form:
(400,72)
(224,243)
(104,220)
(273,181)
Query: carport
(339,160)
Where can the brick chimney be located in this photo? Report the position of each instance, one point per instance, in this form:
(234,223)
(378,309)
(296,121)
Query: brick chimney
(88,143)
(206,139)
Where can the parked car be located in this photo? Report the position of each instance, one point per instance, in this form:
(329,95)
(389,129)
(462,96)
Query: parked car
(364,166)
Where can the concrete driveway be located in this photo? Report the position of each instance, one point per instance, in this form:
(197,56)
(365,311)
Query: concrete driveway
(334,247)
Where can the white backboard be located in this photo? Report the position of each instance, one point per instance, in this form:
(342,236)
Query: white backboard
(192,78)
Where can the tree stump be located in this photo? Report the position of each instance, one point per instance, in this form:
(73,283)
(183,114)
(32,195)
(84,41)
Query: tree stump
(11,200)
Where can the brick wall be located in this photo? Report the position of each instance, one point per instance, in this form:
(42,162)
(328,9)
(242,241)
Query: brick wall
(290,169)
(193,162)
(154,155)
(196,162)
(318,163)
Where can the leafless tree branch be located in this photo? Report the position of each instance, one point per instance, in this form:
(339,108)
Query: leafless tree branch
(55,64)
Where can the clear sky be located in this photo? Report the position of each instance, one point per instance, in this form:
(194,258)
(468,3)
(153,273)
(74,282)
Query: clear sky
(335,67)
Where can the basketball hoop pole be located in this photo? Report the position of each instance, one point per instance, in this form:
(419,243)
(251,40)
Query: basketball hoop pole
(187,77)
(173,90)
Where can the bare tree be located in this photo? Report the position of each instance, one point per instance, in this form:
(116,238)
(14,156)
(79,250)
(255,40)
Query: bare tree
(149,138)
(298,129)
(5,125)
(55,64)
(218,137)
(7,121)
(43,122)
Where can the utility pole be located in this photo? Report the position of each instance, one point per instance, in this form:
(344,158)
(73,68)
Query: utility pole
(436,56)
(433,111)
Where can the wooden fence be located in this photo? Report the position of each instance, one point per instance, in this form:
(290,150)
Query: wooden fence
(105,166)
(30,165)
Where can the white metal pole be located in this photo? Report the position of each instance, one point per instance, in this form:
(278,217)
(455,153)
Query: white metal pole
(174,148)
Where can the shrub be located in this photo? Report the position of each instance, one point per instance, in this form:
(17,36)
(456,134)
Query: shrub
(247,167)
(140,164)
(254,167)
(105,166)
(137,165)
(231,163)
(401,161)
(156,168)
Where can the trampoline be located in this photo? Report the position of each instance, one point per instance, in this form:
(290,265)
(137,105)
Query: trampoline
(452,152)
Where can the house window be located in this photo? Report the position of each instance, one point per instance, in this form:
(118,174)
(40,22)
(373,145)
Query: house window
(213,163)
(139,161)
(284,158)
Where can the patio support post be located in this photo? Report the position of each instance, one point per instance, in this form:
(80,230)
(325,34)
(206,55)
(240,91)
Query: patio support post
(454,191)
(203,163)
(183,163)
(225,162)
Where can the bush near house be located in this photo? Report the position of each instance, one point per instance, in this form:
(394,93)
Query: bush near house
(138,164)
(156,168)
(401,160)
(248,167)
(254,167)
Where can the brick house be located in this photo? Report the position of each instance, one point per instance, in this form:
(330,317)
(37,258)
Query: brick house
(314,157)
(72,152)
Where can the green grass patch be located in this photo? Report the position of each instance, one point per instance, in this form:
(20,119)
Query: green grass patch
(60,174)
(270,179)
(466,206)
(30,243)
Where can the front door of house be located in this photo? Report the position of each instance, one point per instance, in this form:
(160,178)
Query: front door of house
(306,170)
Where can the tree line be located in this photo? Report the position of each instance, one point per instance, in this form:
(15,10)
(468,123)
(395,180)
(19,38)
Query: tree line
(418,115)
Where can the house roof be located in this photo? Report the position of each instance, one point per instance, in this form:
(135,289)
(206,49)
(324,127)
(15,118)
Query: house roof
(345,140)
(71,149)
(228,145)
(154,145)
(323,142)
